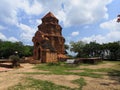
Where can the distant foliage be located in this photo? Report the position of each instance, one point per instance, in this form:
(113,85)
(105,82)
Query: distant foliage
(8,48)
(109,51)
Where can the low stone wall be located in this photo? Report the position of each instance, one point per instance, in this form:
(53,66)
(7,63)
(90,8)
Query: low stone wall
(90,60)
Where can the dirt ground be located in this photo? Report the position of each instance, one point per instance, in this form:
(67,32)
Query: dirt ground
(11,77)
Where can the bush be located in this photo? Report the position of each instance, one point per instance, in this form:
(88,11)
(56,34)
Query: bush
(15,60)
(53,64)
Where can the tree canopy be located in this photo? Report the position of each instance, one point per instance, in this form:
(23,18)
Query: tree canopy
(106,50)
(109,50)
(8,48)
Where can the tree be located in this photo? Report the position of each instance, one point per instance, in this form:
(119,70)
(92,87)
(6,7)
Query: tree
(66,48)
(114,49)
(8,48)
(92,49)
(77,47)
(28,50)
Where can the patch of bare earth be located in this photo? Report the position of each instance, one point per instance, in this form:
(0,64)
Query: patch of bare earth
(105,83)
(105,65)
(101,84)
(14,76)
(64,80)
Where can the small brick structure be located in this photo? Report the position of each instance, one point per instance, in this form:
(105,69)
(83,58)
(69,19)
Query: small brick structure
(48,40)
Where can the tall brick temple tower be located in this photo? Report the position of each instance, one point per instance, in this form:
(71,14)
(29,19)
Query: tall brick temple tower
(48,40)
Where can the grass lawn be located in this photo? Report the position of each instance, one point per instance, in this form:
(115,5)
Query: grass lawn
(63,69)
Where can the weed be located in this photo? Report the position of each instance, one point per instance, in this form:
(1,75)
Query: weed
(34,84)
(81,82)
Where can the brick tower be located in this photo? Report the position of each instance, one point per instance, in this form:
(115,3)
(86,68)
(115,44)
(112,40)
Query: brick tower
(48,40)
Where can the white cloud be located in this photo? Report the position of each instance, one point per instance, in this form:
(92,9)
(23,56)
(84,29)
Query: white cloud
(113,33)
(97,38)
(25,28)
(8,13)
(79,12)
(111,25)
(110,37)
(114,30)
(113,36)
(4,38)
(62,17)
(27,32)
(75,33)
(9,10)
(31,9)
(69,12)
(53,6)
(13,39)
(38,21)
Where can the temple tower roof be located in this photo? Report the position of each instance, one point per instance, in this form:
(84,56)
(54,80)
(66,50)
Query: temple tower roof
(49,15)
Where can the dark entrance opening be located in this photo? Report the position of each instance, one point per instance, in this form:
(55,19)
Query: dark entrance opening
(39,54)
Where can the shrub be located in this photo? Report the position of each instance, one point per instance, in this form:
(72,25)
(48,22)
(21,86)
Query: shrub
(53,64)
(15,60)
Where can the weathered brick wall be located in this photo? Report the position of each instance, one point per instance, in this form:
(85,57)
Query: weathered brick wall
(51,57)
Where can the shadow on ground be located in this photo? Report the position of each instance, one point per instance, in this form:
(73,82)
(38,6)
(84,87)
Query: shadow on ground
(5,65)
(115,75)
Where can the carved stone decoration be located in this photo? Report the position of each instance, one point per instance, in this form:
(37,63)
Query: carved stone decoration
(48,40)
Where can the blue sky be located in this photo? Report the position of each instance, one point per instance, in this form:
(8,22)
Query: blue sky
(86,20)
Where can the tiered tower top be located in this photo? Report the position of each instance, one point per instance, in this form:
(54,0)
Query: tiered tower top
(49,17)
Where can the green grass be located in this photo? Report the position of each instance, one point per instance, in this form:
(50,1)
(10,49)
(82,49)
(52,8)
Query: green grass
(89,74)
(116,70)
(64,69)
(56,69)
(34,84)
(81,82)
(98,70)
